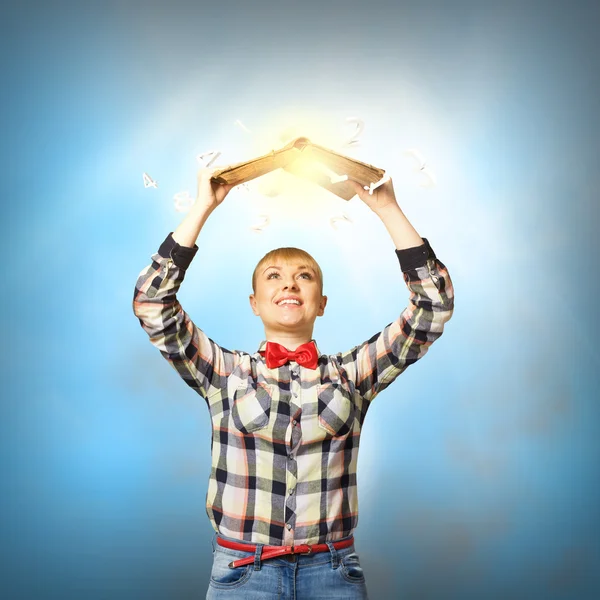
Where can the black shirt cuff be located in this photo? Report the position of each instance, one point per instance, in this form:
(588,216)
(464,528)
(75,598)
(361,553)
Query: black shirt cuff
(411,258)
(182,255)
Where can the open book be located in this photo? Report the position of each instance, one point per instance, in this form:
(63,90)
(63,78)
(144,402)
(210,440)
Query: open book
(307,160)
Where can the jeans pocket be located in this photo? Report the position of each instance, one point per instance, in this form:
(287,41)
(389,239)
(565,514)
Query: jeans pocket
(350,568)
(224,576)
(251,408)
(335,409)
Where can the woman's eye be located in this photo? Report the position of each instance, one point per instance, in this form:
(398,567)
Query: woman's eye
(304,273)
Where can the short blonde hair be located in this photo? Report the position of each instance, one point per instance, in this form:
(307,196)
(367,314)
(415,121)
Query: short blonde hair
(287,255)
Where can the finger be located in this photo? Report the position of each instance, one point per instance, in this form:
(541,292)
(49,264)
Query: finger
(206,172)
(355,184)
(357,187)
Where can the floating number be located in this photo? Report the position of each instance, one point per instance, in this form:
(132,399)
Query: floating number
(183,201)
(238,122)
(360,125)
(417,156)
(149,182)
(264,221)
(339,220)
(430,178)
(374,186)
(212,154)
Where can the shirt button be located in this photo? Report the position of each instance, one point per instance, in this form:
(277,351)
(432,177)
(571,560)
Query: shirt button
(289,526)
(295,394)
(291,491)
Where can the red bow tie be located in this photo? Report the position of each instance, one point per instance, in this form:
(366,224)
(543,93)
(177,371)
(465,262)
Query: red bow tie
(277,355)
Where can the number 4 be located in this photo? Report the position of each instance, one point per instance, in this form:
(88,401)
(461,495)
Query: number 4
(149,182)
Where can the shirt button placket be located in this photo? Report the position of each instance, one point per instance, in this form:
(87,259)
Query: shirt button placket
(292,480)
(292,466)
(295,380)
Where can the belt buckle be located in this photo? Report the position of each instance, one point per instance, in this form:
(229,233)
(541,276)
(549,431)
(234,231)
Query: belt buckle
(309,550)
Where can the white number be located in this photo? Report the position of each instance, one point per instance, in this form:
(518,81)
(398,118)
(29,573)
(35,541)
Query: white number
(374,186)
(203,158)
(430,178)
(342,220)
(149,182)
(258,227)
(183,201)
(238,122)
(360,125)
(417,156)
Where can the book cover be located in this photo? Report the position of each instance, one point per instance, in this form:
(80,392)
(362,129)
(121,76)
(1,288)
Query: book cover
(302,158)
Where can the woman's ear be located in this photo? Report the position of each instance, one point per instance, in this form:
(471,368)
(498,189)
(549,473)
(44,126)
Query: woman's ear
(322,305)
(253,304)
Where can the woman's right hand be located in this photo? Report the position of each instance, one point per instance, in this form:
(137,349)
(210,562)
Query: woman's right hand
(210,194)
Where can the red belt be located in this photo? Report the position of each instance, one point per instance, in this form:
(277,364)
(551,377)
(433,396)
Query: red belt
(273,551)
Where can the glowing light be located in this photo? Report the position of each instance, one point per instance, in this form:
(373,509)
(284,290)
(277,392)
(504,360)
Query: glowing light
(272,184)
(333,176)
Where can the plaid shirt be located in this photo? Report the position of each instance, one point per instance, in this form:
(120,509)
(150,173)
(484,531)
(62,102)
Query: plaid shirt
(285,441)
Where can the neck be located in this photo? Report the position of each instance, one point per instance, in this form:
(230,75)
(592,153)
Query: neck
(290,342)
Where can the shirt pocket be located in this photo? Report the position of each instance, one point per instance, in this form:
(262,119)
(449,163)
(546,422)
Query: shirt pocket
(335,409)
(251,408)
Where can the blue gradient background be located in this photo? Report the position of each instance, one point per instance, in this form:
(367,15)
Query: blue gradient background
(479,467)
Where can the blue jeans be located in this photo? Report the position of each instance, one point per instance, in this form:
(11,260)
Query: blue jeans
(332,575)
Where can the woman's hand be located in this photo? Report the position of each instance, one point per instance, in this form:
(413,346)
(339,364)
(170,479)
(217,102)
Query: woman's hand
(210,194)
(383,197)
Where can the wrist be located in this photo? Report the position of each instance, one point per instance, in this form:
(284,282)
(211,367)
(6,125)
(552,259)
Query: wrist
(202,209)
(392,208)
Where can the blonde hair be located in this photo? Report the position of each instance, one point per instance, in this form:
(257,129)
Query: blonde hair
(287,255)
